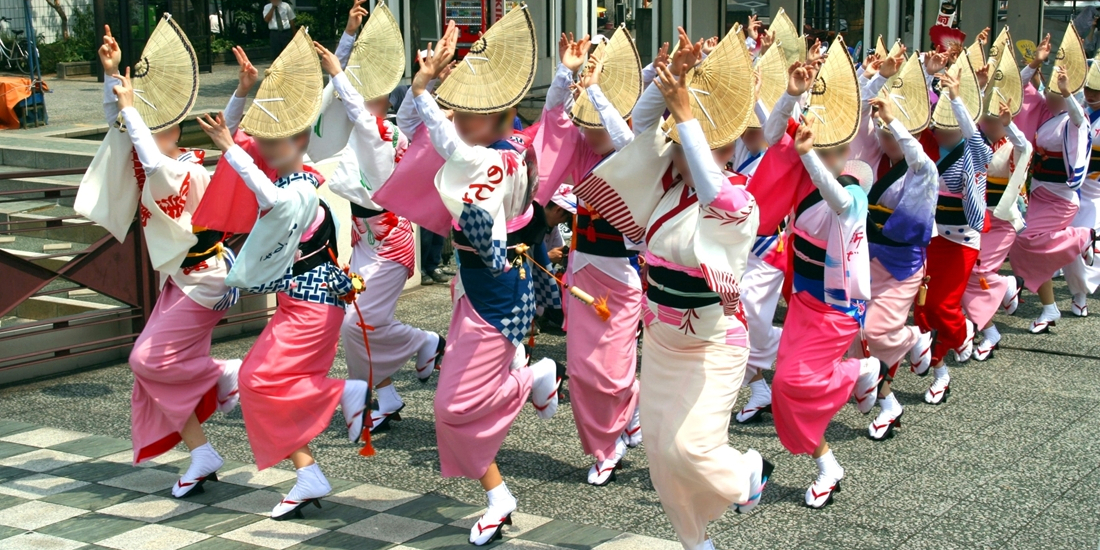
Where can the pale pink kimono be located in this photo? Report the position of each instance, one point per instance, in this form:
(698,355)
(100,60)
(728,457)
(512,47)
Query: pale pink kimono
(986,288)
(1048,243)
(602,355)
(174,375)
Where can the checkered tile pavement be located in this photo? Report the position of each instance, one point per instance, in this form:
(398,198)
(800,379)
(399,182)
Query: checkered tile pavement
(66,490)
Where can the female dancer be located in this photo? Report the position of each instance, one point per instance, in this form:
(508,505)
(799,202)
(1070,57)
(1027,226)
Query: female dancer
(987,291)
(698,226)
(602,355)
(830,280)
(953,251)
(383,246)
(177,385)
(483,382)
(1049,242)
(286,396)
(1082,279)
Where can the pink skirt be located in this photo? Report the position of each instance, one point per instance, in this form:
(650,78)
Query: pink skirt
(603,358)
(392,342)
(982,303)
(478,396)
(812,378)
(1048,243)
(174,376)
(888,338)
(286,395)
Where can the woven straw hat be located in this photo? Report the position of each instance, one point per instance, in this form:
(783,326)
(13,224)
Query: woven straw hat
(998,47)
(1004,87)
(907,92)
(943,116)
(834,99)
(499,69)
(976,55)
(1071,55)
(166,78)
(773,80)
(880,46)
(289,98)
(721,96)
(787,37)
(738,31)
(377,60)
(1092,81)
(620,80)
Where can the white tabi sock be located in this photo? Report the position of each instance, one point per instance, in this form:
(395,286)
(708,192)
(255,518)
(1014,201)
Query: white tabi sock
(828,465)
(889,404)
(388,400)
(992,335)
(501,497)
(941,372)
(1050,309)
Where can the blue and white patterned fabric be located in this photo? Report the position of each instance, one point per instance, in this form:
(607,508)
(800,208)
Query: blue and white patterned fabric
(477,226)
(967,177)
(505,301)
(547,291)
(232,294)
(323,284)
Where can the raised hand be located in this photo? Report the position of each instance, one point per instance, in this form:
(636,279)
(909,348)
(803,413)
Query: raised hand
(800,76)
(752,29)
(124,90)
(1042,52)
(709,45)
(675,93)
(662,59)
(882,109)
(329,62)
(949,83)
(110,56)
(765,40)
(804,137)
(983,36)
(576,54)
(355,17)
(983,75)
(217,130)
(1062,80)
(891,65)
(592,70)
(814,55)
(1005,112)
(687,56)
(436,60)
(563,45)
(246,74)
(934,62)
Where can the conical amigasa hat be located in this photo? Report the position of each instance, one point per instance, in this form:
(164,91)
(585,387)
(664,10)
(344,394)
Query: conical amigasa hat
(1071,56)
(721,96)
(620,80)
(499,69)
(1004,86)
(943,116)
(772,67)
(377,60)
(880,46)
(166,78)
(1092,81)
(976,55)
(289,98)
(907,93)
(787,37)
(998,47)
(834,99)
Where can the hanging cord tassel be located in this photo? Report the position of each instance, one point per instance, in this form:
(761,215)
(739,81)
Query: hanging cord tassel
(599,304)
(357,286)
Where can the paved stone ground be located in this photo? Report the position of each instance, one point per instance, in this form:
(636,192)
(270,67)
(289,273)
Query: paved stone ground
(1010,461)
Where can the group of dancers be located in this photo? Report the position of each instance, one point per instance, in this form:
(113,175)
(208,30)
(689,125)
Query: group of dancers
(700,189)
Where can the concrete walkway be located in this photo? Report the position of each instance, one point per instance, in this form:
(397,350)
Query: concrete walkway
(1010,461)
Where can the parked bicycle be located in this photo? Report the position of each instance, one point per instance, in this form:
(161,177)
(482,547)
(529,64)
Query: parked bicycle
(15,49)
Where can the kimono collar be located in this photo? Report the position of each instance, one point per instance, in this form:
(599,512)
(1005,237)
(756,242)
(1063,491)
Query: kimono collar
(308,174)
